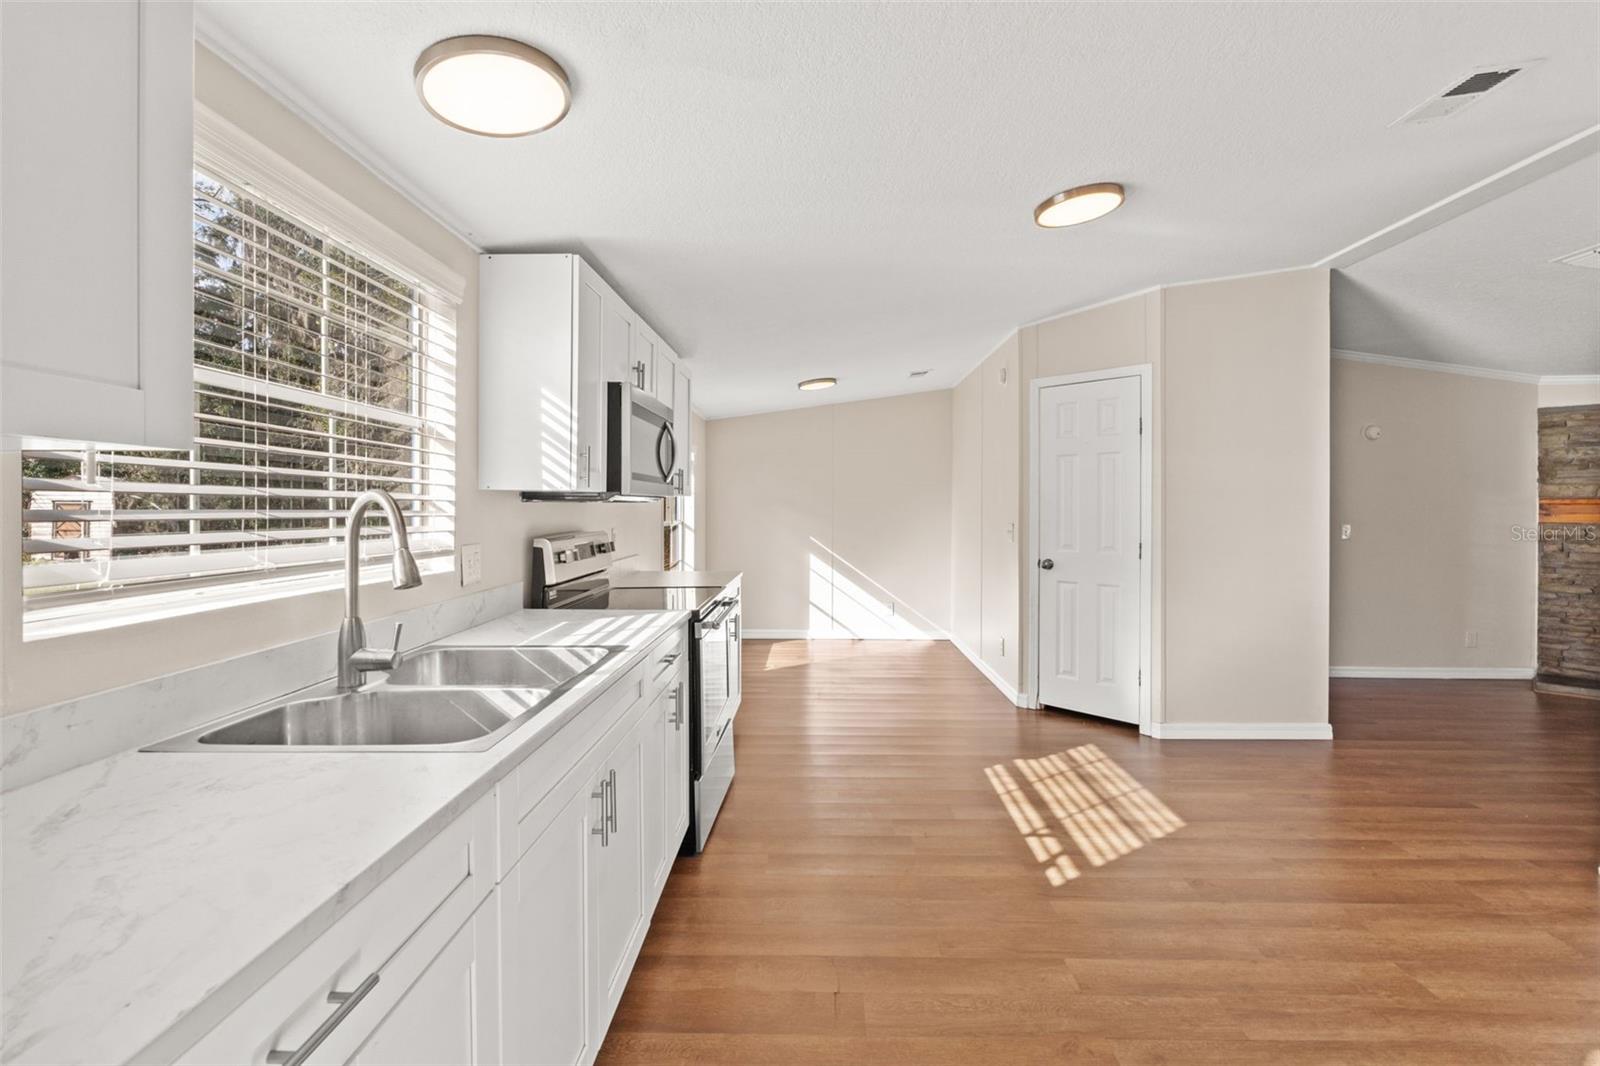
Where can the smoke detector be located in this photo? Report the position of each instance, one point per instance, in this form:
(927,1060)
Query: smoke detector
(1463,92)
(1583,257)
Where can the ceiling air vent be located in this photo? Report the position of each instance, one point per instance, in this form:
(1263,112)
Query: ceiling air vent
(1583,257)
(1462,92)
(919,373)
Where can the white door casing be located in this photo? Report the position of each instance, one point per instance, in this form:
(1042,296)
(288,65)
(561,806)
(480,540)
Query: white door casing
(1089,550)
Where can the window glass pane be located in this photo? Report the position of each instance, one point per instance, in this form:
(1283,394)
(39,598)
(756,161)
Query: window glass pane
(319,373)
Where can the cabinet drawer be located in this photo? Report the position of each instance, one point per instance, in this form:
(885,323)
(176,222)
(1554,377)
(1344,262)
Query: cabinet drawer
(666,655)
(362,966)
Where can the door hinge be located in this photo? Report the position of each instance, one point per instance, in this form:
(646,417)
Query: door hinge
(1141,425)
(1141,549)
(1140,679)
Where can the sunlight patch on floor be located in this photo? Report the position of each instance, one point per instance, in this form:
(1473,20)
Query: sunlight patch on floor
(1096,803)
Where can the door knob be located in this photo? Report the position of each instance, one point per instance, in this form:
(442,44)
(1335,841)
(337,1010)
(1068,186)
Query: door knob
(1047,564)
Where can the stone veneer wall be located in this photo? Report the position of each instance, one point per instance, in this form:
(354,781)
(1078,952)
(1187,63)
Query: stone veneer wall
(1569,555)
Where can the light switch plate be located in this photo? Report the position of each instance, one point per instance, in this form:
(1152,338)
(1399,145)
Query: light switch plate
(471,564)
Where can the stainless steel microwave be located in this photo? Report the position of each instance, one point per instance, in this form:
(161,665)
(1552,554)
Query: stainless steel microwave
(643,455)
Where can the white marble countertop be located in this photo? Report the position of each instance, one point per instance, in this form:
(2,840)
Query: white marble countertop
(147,894)
(689,579)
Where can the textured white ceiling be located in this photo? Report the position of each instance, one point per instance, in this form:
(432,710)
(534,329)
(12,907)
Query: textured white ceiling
(791,190)
(1481,290)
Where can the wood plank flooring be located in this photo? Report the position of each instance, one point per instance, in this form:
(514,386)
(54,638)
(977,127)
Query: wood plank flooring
(910,870)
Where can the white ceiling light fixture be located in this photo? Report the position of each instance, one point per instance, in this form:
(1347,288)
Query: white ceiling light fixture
(492,86)
(813,384)
(1083,203)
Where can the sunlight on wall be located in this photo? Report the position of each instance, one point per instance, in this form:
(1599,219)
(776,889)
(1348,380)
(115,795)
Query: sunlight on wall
(846,602)
(1106,813)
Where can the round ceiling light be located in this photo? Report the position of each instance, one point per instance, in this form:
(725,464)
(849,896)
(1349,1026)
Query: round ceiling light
(492,86)
(1084,203)
(813,384)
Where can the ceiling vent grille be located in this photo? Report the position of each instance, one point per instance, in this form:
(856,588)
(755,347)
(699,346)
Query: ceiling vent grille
(1583,257)
(1462,93)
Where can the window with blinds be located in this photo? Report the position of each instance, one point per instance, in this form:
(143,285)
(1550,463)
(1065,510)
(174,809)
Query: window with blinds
(318,373)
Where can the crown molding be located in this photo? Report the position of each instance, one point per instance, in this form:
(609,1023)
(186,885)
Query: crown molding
(1524,171)
(239,56)
(1441,368)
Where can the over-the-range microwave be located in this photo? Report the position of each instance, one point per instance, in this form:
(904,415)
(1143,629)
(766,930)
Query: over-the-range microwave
(643,456)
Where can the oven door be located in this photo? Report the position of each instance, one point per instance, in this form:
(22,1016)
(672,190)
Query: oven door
(642,452)
(711,680)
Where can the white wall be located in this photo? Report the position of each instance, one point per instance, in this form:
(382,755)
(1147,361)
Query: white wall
(48,671)
(1569,394)
(838,515)
(1432,505)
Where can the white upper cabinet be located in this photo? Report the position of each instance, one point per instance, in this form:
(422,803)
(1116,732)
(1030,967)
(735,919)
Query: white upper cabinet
(96,252)
(551,335)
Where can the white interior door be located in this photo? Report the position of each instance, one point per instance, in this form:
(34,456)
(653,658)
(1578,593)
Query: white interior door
(1089,522)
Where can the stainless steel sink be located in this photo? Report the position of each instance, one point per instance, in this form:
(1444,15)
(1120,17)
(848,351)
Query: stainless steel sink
(531,667)
(436,699)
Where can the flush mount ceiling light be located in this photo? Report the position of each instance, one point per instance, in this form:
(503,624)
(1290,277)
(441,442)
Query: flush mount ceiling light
(492,86)
(1085,203)
(813,384)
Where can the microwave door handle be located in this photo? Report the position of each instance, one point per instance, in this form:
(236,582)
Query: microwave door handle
(664,464)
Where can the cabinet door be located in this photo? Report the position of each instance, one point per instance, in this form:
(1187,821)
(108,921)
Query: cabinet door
(682,426)
(617,330)
(95,189)
(676,772)
(615,879)
(544,917)
(643,364)
(451,1012)
(665,376)
(593,331)
(653,787)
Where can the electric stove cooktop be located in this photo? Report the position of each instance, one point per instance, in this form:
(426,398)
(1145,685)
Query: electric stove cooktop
(655,599)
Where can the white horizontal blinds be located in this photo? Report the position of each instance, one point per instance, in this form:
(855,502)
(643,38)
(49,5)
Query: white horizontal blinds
(318,373)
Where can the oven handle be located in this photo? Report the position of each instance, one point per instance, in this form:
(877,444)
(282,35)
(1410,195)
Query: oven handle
(724,609)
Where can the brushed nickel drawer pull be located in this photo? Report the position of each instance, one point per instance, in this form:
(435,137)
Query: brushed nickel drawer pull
(346,1002)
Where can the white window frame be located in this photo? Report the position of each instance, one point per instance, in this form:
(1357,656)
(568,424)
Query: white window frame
(222,147)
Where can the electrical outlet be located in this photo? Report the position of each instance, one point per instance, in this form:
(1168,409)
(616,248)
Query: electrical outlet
(1472,638)
(1344,531)
(471,564)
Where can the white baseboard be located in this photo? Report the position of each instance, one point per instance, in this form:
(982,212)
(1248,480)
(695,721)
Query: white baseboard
(987,671)
(830,634)
(1242,730)
(1437,673)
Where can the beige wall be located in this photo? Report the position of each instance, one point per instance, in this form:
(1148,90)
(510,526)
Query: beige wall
(986,516)
(1432,504)
(1240,484)
(838,515)
(1569,395)
(1245,368)
(41,672)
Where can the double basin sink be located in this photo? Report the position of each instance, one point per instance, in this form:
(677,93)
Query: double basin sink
(435,699)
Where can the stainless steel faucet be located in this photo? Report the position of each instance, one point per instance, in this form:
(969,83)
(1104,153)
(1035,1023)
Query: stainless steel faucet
(355,658)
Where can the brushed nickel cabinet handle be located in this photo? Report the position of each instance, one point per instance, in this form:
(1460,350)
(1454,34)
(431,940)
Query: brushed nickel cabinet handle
(602,830)
(347,1002)
(613,801)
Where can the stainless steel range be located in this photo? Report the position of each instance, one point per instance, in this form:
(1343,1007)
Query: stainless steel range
(583,571)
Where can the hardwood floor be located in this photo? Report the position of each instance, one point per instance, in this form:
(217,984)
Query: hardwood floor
(1421,890)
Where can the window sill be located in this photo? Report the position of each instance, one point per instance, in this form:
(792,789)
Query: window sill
(47,623)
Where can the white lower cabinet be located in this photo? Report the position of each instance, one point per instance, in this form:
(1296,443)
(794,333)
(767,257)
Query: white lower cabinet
(449,1014)
(439,964)
(544,919)
(616,881)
